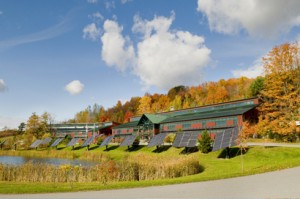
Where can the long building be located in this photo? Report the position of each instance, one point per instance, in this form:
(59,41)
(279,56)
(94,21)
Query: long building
(82,130)
(214,118)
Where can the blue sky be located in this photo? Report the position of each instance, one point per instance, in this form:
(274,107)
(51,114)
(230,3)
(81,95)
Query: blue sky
(60,56)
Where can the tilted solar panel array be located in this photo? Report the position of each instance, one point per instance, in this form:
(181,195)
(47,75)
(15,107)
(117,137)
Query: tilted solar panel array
(186,139)
(56,142)
(46,141)
(157,139)
(177,139)
(226,139)
(88,141)
(2,142)
(106,141)
(193,140)
(128,141)
(235,134)
(36,143)
(73,141)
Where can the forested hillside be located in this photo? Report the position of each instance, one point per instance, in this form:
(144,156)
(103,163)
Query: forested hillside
(177,98)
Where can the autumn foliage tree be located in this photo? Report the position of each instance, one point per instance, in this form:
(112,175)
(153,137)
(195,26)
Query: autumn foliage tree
(280,94)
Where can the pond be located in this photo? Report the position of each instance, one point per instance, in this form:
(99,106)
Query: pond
(19,160)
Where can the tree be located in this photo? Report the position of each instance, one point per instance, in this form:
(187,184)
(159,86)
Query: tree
(205,142)
(33,126)
(145,105)
(21,128)
(256,86)
(280,94)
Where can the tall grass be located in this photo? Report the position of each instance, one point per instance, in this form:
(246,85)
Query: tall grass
(131,168)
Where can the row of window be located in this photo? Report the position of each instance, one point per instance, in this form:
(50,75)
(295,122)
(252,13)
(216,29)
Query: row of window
(200,124)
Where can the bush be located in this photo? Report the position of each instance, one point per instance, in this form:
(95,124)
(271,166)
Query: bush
(205,142)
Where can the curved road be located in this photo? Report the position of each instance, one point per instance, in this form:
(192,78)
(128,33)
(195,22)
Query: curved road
(273,185)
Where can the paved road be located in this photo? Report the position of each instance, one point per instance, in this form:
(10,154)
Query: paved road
(273,144)
(273,185)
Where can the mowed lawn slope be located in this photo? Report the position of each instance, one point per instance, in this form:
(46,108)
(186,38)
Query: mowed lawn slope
(215,166)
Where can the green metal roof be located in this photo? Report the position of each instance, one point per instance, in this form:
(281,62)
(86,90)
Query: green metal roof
(210,114)
(127,125)
(154,118)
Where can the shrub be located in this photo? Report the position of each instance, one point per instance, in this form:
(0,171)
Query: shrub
(205,142)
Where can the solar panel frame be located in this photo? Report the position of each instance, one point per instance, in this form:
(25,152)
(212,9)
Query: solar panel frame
(106,141)
(56,142)
(88,141)
(36,143)
(177,139)
(128,141)
(73,142)
(234,137)
(46,141)
(193,140)
(157,140)
(218,141)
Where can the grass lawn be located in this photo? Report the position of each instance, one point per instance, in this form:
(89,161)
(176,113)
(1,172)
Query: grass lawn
(256,160)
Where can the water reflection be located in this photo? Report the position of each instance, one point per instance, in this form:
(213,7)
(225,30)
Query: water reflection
(19,160)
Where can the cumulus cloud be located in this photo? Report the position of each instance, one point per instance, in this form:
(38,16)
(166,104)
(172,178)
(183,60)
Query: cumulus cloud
(2,85)
(91,32)
(167,58)
(259,18)
(74,87)
(116,49)
(110,5)
(251,72)
(163,58)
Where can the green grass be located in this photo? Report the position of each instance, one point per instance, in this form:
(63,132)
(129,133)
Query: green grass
(256,160)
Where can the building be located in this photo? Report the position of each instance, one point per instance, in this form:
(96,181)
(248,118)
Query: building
(82,130)
(214,118)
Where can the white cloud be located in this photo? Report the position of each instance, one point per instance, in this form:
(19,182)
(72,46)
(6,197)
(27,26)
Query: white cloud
(91,32)
(92,1)
(97,16)
(259,18)
(251,72)
(74,87)
(116,50)
(164,57)
(167,58)
(2,85)
(110,4)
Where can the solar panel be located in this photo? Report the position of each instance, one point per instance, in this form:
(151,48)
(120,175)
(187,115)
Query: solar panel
(227,138)
(186,139)
(88,141)
(73,142)
(218,141)
(235,135)
(2,142)
(177,139)
(193,139)
(35,144)
(46,141)
(56,142)
(128,141)
(106,141)
(157,139)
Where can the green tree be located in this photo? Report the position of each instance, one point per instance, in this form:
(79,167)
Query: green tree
(21,128)
(256,86)
(205,142)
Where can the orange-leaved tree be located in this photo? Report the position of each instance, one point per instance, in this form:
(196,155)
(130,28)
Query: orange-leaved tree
(280,94)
